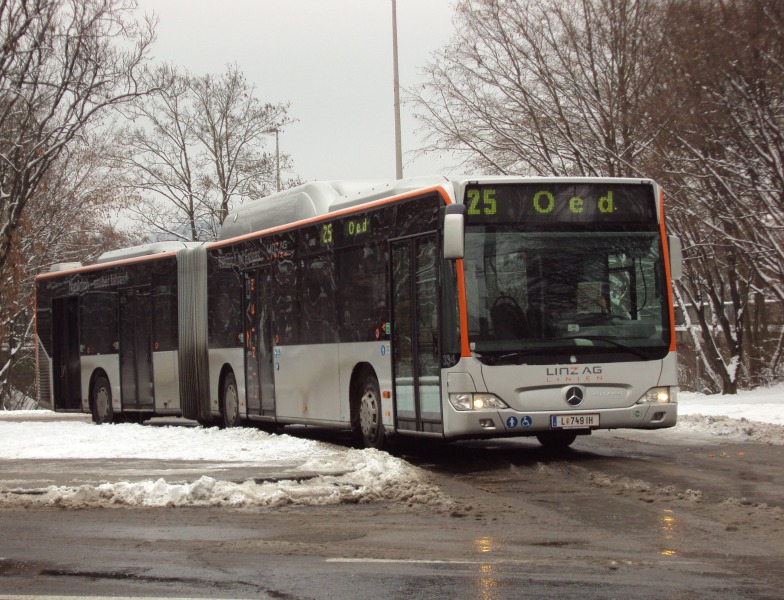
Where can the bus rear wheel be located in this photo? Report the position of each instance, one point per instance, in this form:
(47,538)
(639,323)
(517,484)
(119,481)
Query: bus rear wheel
(101,401)
(230,402)
(370,426)
(556,440)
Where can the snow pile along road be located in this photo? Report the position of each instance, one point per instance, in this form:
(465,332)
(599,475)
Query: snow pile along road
(372,477)
(735,429)
(755,416)
(316,472)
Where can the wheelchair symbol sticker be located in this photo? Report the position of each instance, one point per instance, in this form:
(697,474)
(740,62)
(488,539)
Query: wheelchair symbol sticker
(526,422)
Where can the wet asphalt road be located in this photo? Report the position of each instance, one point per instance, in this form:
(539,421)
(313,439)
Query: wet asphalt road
(612,518)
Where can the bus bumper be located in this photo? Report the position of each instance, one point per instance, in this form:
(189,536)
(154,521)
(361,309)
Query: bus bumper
(511,422)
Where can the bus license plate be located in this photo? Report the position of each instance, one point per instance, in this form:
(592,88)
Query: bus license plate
(574,421)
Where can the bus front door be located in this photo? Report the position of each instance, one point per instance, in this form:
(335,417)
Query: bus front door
(259,374)
(415,347)
(136,382)
(66,366)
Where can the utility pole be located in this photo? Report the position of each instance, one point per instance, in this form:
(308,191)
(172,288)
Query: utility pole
(398,144)
(276,131)
(277,159)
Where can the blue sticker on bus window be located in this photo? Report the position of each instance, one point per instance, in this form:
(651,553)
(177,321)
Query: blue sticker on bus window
(511,422)
(526,422)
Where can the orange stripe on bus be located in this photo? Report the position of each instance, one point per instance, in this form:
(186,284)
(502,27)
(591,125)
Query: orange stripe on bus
(106,265)
(667,273)
(465,349)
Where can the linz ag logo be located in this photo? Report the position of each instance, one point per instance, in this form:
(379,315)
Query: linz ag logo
(574,374)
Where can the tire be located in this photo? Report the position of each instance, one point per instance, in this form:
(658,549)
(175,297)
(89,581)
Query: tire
(138,417)
(230,402)
(556,440)
(132,417)
(101,401)
(370,428)
(268,426)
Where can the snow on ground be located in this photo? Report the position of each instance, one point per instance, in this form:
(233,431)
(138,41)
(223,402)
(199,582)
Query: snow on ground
(756,416)
(342,475)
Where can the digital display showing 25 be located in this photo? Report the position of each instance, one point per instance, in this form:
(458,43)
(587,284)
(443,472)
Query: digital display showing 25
(561,203)
(350,229)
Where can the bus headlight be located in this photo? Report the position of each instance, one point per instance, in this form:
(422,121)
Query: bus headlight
(660,395)
(476,401)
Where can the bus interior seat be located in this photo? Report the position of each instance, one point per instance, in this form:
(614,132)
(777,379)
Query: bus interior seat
(509,321)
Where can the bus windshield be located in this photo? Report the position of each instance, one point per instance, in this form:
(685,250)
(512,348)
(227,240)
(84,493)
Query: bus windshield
(533,296)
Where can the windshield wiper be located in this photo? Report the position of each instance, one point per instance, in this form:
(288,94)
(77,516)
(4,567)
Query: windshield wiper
(518,357)
(608,340)
(509,358)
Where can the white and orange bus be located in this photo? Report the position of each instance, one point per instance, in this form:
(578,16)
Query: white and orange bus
(446,308)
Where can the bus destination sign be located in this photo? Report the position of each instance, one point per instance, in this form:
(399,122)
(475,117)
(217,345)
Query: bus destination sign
(347,231)
(560,203)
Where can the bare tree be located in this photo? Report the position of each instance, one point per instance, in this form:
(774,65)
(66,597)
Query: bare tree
(723,164)
(546,86)
(68,220)
(198,147)
(689,92)
(232,128)
(162,161)
(62,63)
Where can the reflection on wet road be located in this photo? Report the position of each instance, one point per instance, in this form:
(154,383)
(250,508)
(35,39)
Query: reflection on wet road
(670,532)
(487,582)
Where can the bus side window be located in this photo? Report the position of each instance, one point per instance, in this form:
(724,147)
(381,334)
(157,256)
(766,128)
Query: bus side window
(318,293)
(285,303)
(224,309)
(164,318)
(362,281)
(98,322)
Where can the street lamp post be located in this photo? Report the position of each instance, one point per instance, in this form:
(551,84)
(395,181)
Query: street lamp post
(276,131)
(277,159)
(398,143)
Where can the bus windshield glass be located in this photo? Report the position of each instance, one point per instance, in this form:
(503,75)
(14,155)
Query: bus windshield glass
(538,290)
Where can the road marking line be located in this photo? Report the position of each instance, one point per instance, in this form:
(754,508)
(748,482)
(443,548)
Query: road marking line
(27,597)
(414,561)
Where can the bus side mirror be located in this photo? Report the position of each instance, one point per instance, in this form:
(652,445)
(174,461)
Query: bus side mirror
(676,257)
(454,231)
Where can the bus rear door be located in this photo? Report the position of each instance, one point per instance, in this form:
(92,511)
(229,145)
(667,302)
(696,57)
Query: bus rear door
(136,377)
(66,374)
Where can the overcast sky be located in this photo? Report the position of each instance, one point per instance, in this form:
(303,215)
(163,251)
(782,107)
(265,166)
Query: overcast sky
(331,59)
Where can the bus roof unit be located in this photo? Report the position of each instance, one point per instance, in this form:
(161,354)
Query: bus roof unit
(66,266)
(144,250)
(312,200)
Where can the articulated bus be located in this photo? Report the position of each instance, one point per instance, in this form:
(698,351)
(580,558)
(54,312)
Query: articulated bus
(444,308)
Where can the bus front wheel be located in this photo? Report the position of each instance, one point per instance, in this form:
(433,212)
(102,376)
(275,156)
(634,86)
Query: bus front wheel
(370,425)
(556,440)
(101,401)
(230,401)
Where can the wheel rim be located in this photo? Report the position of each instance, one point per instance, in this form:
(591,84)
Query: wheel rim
(368,414)
(102,402)
(231,403)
